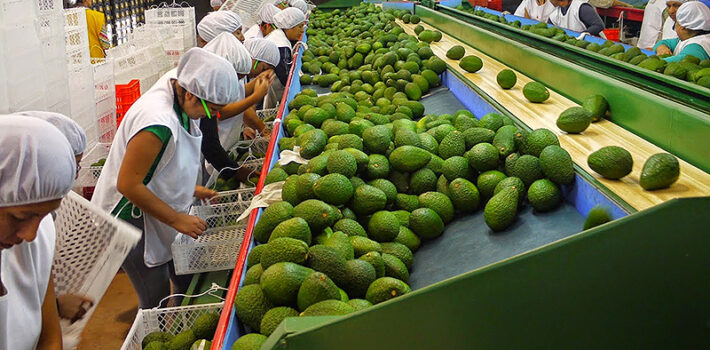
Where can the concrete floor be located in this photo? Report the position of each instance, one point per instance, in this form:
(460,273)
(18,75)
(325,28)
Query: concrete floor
(113,317)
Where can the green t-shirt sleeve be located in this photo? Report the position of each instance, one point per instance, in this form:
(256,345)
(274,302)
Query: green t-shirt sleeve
(124,207)
(671,43)
(692,49)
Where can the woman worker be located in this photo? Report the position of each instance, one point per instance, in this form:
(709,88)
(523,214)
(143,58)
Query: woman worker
(217,22)
(693,29)
(266,22)
(150,174)
(96,28)
(37,169)
(669,25)
(538,10)
(290,23)
(576,15)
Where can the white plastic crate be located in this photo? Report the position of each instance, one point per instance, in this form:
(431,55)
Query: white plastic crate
(225,197)
(268,113)
(23,78)
(50,5)
(89,175)
(172,320)
(246,9)
(177,16)
(91,246)
(218,247)
(14,11)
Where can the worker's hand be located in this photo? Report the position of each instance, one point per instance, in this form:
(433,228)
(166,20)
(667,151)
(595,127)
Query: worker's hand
(663,50)
(244,173)
(73,307)
(265,132)
(249,133)
(189,225)
(202,192)
(261,88)
(269,75)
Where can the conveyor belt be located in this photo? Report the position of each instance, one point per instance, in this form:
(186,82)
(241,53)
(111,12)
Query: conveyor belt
(693,182)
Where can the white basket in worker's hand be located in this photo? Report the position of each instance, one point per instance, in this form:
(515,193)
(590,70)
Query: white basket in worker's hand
(226,197)
(218,247)
(172,320)
(91,246)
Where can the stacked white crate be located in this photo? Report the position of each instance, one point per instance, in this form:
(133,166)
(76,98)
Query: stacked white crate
(51,26)
(174,16)
(81,74)
(105,97)
(22,75)
(175,38)
(131,62)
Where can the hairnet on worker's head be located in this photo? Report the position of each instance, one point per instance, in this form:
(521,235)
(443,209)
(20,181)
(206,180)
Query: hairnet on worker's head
(694,15)
(289,18)
(208,76)
(301,5)
(217,22)
(267,12)
(71,129)
(227,46)
(37,162)
(215,3)
(263,50)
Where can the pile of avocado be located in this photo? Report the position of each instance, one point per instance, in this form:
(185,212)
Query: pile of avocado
(690,69)
(381,178)
(195,338)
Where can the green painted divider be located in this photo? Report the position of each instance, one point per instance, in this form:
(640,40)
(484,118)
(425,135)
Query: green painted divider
(640,282)
(674,127)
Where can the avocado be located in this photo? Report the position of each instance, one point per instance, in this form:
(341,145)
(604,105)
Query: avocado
(328,261)
(574,120)
(409,158)
(360,275)
(316,287)
(182,341)
(363,245)
(407,202)
(350,227)
(251,341)
(474,136)
(527,168)
(281,281)
(395,267)
(284,249)
(273,318)
(386,288)
(317,214)
(456,167)
(597,105)
(155,345)
(205,325)
(359,304)
(378,166)
(512,182)
(536,92)
(471,64)
(162,337)
(340,242)
(312,143)
(408,238)
(422,180)
(426,223)
(454,144)
(661,170)
(377,138)
(611,162)
(538,139)
(487,182)
(501,209)
(294,228)
(544,195)
(456,52)
(400,251)
(305,184)
(328,308)
(506,78)
(254,256)
(556,164)
(383,226)
(273,215)
(464,195)
(504,141)
(491,121)
(334,188)
(368,199)
(438,202)
(597,216)
(253,275)
(250,305)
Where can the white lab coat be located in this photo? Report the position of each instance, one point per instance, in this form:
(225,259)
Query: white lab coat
(25,272)
(174,178)
(571,19)
(254,32)
(669,29)
(535,11)
(276,90)
(652,24)
(702,40)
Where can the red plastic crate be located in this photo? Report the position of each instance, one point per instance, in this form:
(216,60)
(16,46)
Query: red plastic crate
(612,34)
(126,95)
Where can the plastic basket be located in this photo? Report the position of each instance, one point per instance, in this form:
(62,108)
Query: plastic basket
(175,16)
(224,197)
(91,246)
(246,9)
(218,247)
(172,320)
(126,95)
(612,34)
(89,175)
(268,114)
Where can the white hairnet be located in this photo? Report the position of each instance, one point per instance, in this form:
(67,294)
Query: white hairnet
(71,129)
(215,3)
(227,46)
(217,22)
(694,16)
(37,163)
(289,18)
(208,76)
(267,12)
(263,50)
(301,5)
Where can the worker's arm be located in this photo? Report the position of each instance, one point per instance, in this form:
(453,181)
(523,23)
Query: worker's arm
(259,90)
(252,120)
(141,152)
(666,46)
(589,16)
(690,50)
(50,338)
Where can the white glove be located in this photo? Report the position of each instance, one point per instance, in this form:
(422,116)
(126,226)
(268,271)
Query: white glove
(581,36)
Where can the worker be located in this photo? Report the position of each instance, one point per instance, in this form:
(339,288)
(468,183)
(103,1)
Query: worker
(301,5)
(538,10)
(216,4)
(290,23)
(266,22)
(265,56)
(693,29)
(672,7)
(652,25)
(95,27)
(576,15)
(37,169)
(217,22)
(150,175)
(281,4)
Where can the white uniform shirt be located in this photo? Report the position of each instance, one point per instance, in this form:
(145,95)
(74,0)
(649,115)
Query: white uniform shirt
(669,29)
(535,11)
(571,19)
(26,269)
(652,24)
